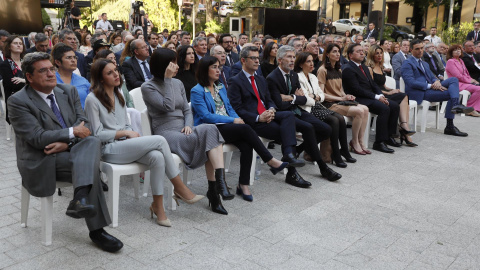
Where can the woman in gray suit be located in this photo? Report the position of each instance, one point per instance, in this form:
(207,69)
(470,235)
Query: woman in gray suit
(105,108)
(172,118)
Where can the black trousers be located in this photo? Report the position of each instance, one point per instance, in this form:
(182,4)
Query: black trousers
(313,132)
(245,139)
(339,133)
(387,119)
(281,129)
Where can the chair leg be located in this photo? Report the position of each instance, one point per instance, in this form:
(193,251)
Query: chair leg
(437,117)
(9,131)
(227,158)
(146,183)
(415,118)
(366,135)
(187,175)
(423,121)
(113,197)
(25,203)
(252,170)
(47,216)
(171,204)
(136,184)
(444,106)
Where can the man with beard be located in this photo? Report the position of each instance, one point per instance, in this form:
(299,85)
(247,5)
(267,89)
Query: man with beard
(226,41)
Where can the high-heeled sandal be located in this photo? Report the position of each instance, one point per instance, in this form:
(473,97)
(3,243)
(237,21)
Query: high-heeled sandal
(164,223)
(195,199)
(352,149)
(404,131)
(403,137)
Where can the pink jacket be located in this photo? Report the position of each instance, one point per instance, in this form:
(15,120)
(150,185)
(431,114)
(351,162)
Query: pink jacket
(456,68)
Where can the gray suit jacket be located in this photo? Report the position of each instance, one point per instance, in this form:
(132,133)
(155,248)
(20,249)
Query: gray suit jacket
(397,62)
(36,126)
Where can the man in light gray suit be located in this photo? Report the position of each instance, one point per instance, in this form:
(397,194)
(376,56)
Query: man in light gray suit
(398,59)
(53,144)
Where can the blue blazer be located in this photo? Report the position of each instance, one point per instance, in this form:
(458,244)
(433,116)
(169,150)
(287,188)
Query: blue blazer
(416,80)
(81,64)
(203,107)
(243,98)
(235,69)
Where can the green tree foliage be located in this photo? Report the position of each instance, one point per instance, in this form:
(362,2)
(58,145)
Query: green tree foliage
(241,5)
(456,34)
(45,18)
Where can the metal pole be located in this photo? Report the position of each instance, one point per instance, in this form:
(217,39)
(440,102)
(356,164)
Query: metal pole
(370,3)
(383,20)
(450,14)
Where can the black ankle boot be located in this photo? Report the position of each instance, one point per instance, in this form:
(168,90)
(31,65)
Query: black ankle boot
(214,199)
(345,154)
(222,185)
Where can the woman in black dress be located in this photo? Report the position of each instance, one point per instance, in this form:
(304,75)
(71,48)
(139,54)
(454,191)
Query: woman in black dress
(269,59)
(375,66)
(186,68)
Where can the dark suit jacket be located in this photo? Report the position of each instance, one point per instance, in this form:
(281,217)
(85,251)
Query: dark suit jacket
(374,34)
(416,79)
(34,49)
(226,73)
(81,64)
(471,36)
(243,98)
(472,69)
(235,58)
(88,63)
(118,55)
(277,85)
(440,70)
(36,126)
(133,73)
(355,83)
(235,69)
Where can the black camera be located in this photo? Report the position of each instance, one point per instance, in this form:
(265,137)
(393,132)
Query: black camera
(137,4)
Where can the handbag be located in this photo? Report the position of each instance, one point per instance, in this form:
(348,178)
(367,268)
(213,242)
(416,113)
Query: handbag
(348,103)
(320,112)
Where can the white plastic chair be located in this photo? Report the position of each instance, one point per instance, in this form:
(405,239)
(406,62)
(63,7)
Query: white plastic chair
(412,105)
(136,95)
(8,127)
(366,134)
(46,212)
(463,97)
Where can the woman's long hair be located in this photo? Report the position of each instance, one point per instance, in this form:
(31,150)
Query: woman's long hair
(97,87)
(126,52)
(266,53)
(371,56)
(182,55)
(326,60)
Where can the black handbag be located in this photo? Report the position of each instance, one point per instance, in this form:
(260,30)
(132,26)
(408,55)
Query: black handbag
(348,103)
(320,112)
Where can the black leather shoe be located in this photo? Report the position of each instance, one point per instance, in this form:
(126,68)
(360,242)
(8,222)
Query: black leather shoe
(105,241)
(271,145)
(330,174)
(393,142)
(104,186)
(382,147)
(461,109)
(296,180)
(81,209)
(455,132)
(292,161)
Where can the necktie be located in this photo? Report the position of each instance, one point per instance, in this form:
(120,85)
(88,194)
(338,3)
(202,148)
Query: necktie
(230,61)
(224,79)
(147,71)
(476,35)
(56,111)
(406,57)
(421,66)
(361,68)
(433,64)
(260,107)
(289,84)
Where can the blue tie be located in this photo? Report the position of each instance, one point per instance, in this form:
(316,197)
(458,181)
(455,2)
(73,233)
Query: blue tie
(147,71)
(56,111)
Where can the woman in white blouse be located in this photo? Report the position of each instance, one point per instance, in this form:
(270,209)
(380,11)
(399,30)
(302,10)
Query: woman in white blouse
(315,96)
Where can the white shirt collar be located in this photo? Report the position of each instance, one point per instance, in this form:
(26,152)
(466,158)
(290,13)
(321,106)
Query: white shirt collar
(248,74)
(45,96)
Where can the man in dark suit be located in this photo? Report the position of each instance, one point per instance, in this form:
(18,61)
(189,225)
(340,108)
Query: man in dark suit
(357,81)
(471,60)
(218,52)
(137,69)
(41,44)
(287,94)
(68,37)
(433,61)
(153,42)
(53,144)
(421,84)
(475,34)
(250,98)
(226,41)
(372,32)
(242,40)
(3,36)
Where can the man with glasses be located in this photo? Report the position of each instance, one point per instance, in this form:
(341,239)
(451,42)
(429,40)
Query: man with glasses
(67,37)
(471,59)
(237,68)
(297,44)
(226,41)
(65,60)
(41,44)
(54,144)
(250,98)
(398,59)
(312,48)
(137,69)
(219,53)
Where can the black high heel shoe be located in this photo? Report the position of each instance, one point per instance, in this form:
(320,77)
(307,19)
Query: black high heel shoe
(348,158)
(222,187)
(404,131)
(403,137)
(277,170)
(214,199)
(338,162)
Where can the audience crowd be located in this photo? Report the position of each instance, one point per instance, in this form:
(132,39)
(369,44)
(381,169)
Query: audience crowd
(68,101)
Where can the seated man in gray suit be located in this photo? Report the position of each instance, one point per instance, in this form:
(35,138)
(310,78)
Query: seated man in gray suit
(397,61)
(53,144)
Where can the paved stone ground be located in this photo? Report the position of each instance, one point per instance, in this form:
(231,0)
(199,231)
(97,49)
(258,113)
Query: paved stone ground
(416,209)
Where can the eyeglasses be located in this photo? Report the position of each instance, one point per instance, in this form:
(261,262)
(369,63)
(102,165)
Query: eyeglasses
(254,58)
(71,57)
(45,70)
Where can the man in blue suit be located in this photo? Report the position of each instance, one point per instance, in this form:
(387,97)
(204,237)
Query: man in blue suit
(250,98)
(421,84)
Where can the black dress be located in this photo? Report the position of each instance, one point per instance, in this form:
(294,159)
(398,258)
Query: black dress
(267,68)
(8,70)
(380,80)
(189,81)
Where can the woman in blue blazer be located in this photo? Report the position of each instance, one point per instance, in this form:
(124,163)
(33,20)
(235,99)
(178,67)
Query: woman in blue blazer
(210,105)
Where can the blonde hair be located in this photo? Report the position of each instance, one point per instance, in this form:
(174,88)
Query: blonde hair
(371,56)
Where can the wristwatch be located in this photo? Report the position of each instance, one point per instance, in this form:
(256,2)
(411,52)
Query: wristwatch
(70,145)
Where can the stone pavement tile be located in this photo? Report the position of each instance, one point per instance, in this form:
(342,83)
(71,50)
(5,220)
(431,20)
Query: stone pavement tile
(248,265)
(157,250)
(446,248)
(124,262)
(333,243)
(437,260)
(5,261)
(354,259)
(9,191)
(11,210)
(27,252)
(270,258)
(464,261)
(298,262)
(302,238)
(5,246)
(337,265)
(251,244)
(415,241)
(182,260)
(45,261)
(381,261)
(276,233)
(415,265)
(401,254)
(7,220)
(316,253)
(6,232)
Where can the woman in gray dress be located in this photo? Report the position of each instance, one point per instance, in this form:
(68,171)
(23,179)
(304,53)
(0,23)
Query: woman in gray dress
(107,112)
(172,118)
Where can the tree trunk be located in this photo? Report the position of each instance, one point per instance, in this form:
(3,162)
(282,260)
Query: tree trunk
(194,16)
(208,6)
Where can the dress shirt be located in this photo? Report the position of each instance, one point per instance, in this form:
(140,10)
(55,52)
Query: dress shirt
(143,69)
(435,40)
(105,25)
(473,58)
(1,55)
(377,97)
(285,78)
(82,85)
(404,55)
(419,60)
(386,60)
(45,98)
(230,59)
(153,49)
